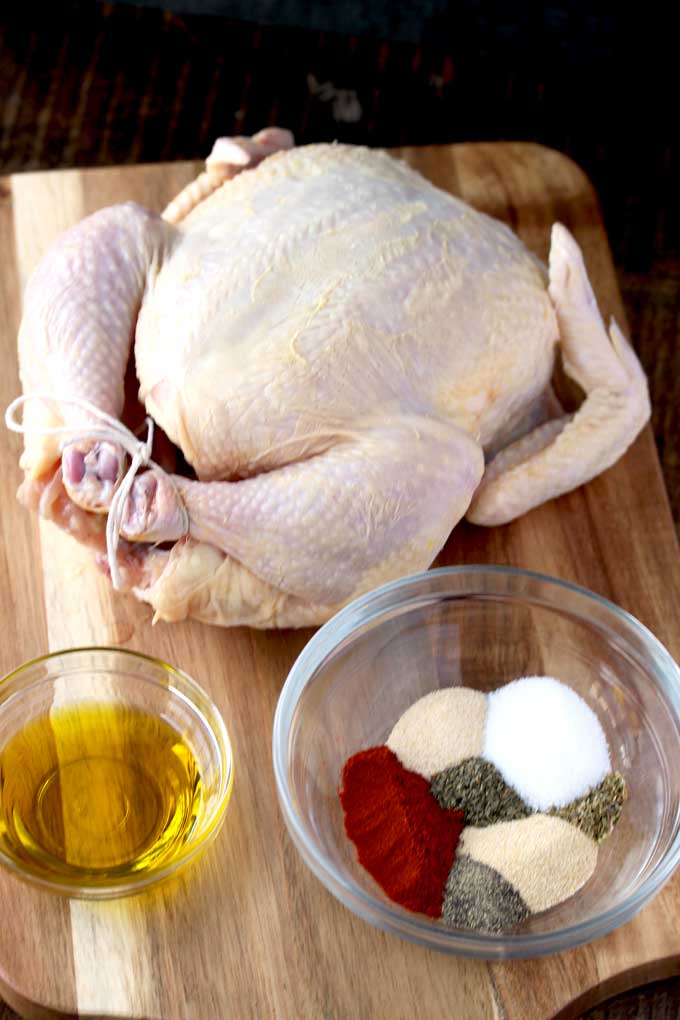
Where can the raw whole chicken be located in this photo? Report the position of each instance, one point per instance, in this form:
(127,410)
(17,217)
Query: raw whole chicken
(349,360)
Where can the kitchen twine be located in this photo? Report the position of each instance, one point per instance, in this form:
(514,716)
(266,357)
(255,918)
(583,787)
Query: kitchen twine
(111,430)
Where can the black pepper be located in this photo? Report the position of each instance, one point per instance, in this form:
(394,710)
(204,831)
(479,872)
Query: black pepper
(477,897)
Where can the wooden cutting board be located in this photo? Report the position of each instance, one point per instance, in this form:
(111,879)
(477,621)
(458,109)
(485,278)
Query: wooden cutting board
(248,931)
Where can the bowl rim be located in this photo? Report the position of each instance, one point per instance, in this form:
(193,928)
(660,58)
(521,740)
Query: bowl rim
(366,610)
(191,692)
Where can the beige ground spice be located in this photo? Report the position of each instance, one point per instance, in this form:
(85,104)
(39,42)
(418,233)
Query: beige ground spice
(545,858)
(440,730)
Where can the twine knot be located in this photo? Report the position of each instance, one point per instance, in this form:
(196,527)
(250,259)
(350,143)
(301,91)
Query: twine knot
(105,428)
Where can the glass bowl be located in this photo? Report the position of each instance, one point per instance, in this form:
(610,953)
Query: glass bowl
(103,693)
(482,627)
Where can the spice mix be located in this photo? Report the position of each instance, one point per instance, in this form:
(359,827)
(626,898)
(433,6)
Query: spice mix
(482,809)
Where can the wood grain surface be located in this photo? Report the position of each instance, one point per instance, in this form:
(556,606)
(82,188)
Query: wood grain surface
(248,931)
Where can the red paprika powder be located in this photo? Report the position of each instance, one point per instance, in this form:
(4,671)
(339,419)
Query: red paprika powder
(404,839)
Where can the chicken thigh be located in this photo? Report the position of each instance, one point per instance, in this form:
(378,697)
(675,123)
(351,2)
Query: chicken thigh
(333,344)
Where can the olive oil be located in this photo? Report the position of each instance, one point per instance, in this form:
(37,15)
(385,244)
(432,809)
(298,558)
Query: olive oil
(97,791)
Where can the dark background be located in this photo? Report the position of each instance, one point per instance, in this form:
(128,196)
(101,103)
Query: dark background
(91,83)
(88,83)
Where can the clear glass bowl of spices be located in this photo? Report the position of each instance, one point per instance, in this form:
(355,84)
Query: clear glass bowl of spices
(476,630)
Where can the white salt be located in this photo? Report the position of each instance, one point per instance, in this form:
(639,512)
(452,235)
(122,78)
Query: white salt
(545,741)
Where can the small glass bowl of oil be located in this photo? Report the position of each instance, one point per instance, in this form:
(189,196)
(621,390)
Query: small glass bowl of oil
(115,771)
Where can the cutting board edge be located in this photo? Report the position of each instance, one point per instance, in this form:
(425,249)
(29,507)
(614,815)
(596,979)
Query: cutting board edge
(614,983)
(574,169)
(618,984)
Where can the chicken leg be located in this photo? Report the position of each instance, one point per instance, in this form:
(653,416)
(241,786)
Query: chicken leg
(81,305)
(379,503)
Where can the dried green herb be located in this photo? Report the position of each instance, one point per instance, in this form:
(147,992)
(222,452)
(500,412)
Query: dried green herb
(478,897)
(477,788)
(597,812)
